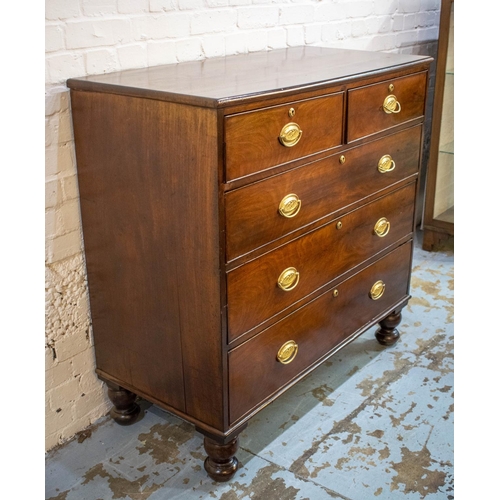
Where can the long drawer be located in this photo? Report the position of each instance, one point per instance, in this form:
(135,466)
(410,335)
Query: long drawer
(265,286)
(304,337)
(266,210)
(258,140)
(383,105)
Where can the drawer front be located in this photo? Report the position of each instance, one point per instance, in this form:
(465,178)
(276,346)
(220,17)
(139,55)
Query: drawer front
(263,287)
(381,106)
(320,188)
(255,374)
(258,140)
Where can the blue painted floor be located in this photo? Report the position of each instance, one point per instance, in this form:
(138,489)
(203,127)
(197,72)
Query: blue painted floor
(371,422)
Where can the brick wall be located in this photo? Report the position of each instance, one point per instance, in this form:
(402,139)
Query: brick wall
(85,37)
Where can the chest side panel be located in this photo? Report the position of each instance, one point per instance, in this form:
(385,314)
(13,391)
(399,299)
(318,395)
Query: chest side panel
(148,180)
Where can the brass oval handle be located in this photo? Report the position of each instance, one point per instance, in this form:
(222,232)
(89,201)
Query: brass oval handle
(290,135)
(288,279)
(287,352)
(377,290)
(391,104)
(382,227)
(289,206)
(386,164)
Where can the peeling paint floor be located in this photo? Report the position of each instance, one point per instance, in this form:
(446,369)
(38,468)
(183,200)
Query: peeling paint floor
(371,422)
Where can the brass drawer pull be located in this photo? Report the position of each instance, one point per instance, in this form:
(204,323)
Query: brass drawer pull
(377,290)
(287,352)
(289,206)
(391,104)
(386,164)
(290,134)
(382,227)
(288,279)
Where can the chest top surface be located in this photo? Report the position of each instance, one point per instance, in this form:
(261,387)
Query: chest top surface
(220,81)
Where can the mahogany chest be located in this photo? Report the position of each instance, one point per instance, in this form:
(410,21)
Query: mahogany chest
(244,218)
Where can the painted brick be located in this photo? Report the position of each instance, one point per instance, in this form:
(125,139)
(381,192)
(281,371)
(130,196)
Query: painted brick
(212,21)
(83,363)
(406,38)
(336,31)
(397,22)
(56,100)
(99,7)
(50,222)
(296,14)
(276,38)
(236,43)
(257,41)
(385,6)
(58,374)
(359,8)
(158,27)
(160,5)
(409,21)
(329,12)
(69,345)
(188,49)
(132,6)
(409,6)
(54,39)
(312,33)
(68,217)
(214,46)
(132,56)
(53,193)
(161,53)
(64,394)
(87,400)
(97,33)
(101,61)
(258,17)
(191,4)
(61,9)
(55,421)
(217,3)
(294,36)
(60,67)
(427,34)
(62,247)
(239,2)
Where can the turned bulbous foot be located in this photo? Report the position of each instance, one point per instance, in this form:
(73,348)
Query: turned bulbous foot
(125,410)
(388,334)
(221,463)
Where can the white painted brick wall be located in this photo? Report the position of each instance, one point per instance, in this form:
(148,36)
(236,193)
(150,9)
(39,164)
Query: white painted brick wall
(85,37)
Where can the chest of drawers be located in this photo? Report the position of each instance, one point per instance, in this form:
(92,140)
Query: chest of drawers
(244,218)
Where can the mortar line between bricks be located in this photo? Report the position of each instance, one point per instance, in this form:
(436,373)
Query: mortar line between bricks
(328,490)
(300,462)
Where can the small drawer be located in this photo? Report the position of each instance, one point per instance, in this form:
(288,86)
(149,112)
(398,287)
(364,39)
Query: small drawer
(258,140)
(266,210)
(265,286)
(307,335)
(381,106)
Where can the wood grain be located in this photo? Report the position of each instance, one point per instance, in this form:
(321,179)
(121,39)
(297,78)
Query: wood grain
(254,372)
(251,138)
(366,115)
(153,275)
(319,257)
(325,186)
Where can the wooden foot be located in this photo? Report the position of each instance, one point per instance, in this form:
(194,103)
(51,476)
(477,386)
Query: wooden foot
(388,334)
(221,463)
(125,410)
